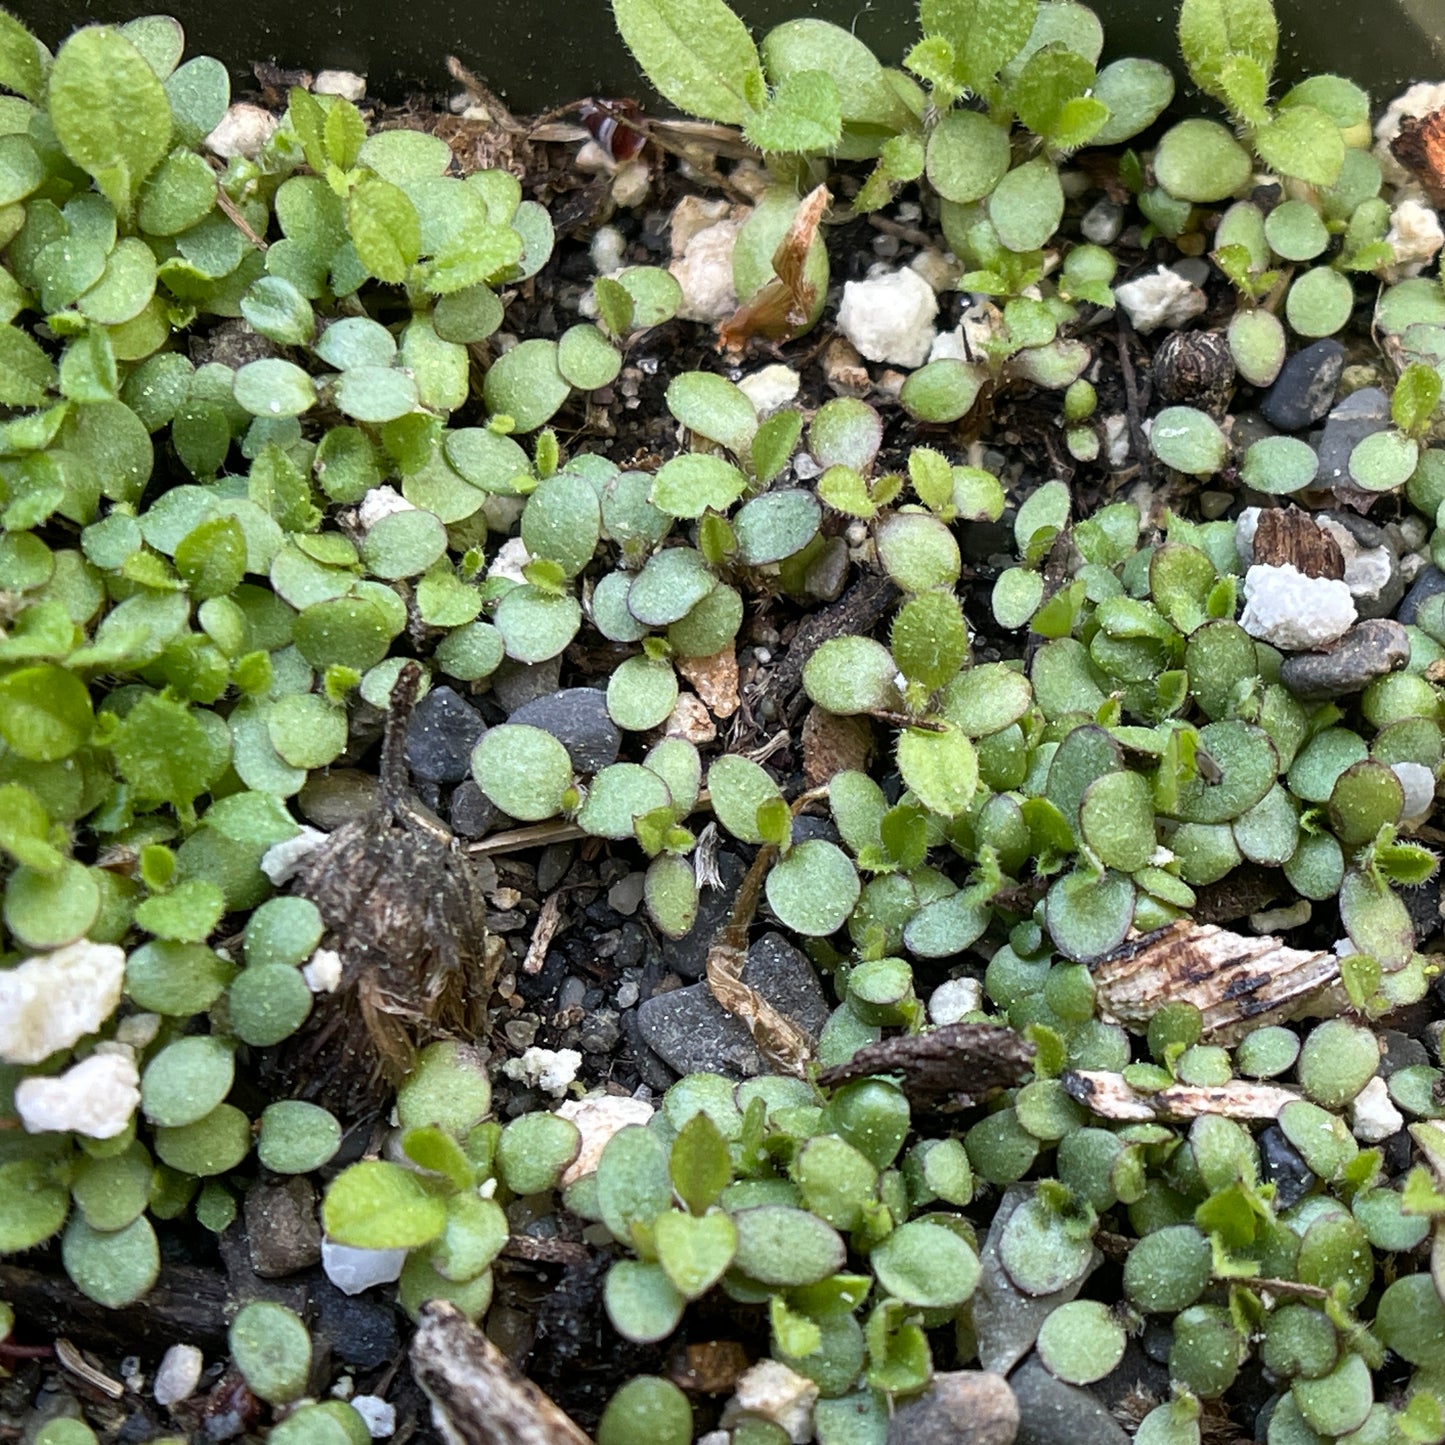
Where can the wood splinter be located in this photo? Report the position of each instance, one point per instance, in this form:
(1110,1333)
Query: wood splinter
(478,1395)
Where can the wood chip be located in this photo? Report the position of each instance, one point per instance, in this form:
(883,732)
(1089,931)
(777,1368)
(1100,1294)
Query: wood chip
(953,1067)
(1237,983)
(833,744)
(548,918)
(1111,1097)
(716,680)
(1420,148)
(1288,536)
(478,1396)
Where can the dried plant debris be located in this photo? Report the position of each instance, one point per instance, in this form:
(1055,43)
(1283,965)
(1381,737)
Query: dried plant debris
(1110,1096)
(945,1069)
(478,1395)
(1237,983)
(406,918)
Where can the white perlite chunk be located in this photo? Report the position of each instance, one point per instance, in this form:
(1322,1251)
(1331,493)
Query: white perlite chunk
(550,1070)
(772,387)
(1372,1116)
(381,502)
(178,1375)
(51,1001)
(282,861)
(776,1393)
(705,273)
(1418,783)
(512,556)
(1414,236)
(950,1001)
(354,1270)
(598,1117)
(95,1097)
(608,246)
(243,130)
(890,317)
(345,83)
(1164,299)
(1293,612)
(379,1416)
(322,971)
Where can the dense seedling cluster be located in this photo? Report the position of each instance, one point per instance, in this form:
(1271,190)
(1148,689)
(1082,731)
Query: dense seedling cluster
(263,449)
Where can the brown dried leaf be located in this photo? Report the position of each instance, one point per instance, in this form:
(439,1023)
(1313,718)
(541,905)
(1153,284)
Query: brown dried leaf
(784,304)
(952,1067)
(1286,535)
(1236,983)
(715,678)
(833,744)
(1108,1095)
(780,1041)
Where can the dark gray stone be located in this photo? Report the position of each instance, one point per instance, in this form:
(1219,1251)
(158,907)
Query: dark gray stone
(515,684)
(1429,582)
(1305,386)
(1282,1165)
(687,956)
(1368,650)
(1054,1413)
(577,718)
(1359,415)
(282,1232)
(960,1407)
(1401,1051)
(444,729)
(1005,1319)
(473,814)
(360,1328)
(692,1031)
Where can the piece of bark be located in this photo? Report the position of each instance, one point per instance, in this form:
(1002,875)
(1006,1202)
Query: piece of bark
(944,1069)
(857,612)
(1110,1096)
(1238,984)
(1286,536)
(1420,148)
(187,1304)
(478,1396)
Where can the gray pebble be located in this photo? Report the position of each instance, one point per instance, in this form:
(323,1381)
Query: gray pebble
(1359,415)
(577,718)
(1006,1320)
(1305,387)
(1054,1413)
(335,796)
(515,684)
(1102,222)
(960,1407)
(1282,1165)
(553,864)
(1368,650)
(687,956)
(443,730)
(473,814)
(601,1032)
(361,1329)
(692,1031)
(1429,583)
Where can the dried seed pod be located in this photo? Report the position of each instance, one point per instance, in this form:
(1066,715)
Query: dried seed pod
(1197,368)
(1236,983)
(1286,535)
